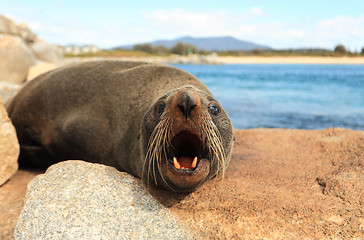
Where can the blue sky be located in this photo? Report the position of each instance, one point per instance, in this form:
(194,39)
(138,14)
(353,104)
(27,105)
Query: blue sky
(276,23)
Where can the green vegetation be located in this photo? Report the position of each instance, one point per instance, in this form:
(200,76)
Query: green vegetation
(145,50)
(118,52)
(340,49)
(148,48)
(183,49)
(180,49)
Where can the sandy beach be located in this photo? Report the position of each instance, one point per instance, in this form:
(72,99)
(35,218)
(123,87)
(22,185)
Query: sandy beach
(214,59)
(291,60)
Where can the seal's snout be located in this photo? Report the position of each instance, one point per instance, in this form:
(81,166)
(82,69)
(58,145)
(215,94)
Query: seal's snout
(187,100)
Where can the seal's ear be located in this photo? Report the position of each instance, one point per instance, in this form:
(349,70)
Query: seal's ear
(139,135)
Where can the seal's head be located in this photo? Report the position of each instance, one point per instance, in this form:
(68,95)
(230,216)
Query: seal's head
(187,139)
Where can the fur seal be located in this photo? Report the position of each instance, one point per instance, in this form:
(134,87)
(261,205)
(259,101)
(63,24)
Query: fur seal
(156,122)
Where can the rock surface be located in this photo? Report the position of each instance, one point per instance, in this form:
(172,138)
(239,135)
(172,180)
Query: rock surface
(79,200)
(15,59)
(9,147)
(280,184)
(47,52)
(26,34)
(8,90)
(7,26)
(20,49)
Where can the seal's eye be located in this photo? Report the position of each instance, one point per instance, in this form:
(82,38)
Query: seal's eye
(214,110)
(160,107)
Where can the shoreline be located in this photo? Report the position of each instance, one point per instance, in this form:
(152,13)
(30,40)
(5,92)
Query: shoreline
(292,60)
(200,59)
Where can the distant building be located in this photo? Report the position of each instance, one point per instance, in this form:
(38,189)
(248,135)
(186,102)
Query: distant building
(78,50)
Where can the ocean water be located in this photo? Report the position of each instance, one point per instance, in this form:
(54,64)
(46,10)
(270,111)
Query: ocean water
(287,95)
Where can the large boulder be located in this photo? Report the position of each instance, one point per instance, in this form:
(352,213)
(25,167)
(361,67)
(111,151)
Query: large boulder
(7,26)
(20,49)
(79,200)
(8,90)
(9,147)
(15,59)
(47,52)
(26,34)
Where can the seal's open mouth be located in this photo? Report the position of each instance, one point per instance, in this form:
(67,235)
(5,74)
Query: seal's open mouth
(187,150)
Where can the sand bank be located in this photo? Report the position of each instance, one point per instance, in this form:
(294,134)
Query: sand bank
(292,60)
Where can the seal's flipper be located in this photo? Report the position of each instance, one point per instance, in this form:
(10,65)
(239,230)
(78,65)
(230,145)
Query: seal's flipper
(34,155)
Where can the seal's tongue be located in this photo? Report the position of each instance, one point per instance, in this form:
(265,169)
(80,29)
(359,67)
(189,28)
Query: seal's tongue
(185,162)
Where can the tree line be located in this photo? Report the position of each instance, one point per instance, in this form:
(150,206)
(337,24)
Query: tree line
(185,49)
(180,49)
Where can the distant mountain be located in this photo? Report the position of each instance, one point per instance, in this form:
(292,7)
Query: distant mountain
(209,44)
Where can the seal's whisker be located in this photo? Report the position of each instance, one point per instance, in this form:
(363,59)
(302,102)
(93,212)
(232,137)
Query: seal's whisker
(158,152)
(152,143)
(165,137)
(157,145)
(156,149)
(216,149)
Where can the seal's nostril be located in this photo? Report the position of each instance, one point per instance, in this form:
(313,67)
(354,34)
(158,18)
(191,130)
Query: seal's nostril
(183,110)
(187,102)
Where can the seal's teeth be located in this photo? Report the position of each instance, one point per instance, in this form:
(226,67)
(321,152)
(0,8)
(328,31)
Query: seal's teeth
(176,163)
(194,163)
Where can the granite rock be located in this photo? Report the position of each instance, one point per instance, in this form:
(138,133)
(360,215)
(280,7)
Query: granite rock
(8,90)
(26,34)
(7,26)
(15,59)
(21,49)
(9,147)
(47,52)
(80,200)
